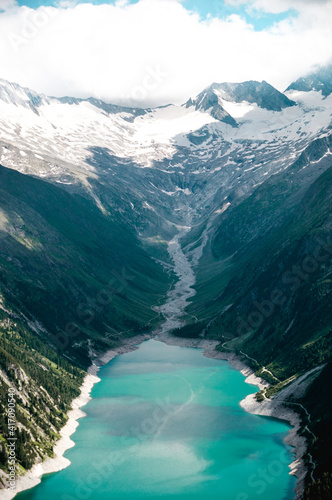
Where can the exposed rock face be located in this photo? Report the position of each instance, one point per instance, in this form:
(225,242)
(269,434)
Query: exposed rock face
(260,93)
(208,101)
(319,81)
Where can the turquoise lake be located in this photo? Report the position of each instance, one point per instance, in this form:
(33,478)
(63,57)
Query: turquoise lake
(165,423)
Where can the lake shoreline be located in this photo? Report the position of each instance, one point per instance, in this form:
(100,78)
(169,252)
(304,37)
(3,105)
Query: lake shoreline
(266,408)
(58,462)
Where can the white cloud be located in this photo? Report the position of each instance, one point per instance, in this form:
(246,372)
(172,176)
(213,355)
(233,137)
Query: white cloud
(278,6)
(155,51)
(7,4)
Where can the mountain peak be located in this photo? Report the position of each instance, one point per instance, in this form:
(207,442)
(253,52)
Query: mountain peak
(319,80)
(13,93)
(261,93)
(208,101)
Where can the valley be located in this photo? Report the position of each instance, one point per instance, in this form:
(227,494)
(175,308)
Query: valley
(210,220)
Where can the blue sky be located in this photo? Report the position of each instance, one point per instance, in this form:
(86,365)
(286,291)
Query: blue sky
(215,8)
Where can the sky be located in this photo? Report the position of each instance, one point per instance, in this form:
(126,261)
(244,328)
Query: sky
(155,52)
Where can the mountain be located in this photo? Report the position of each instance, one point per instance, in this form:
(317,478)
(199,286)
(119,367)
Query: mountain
(319,81)
(13,93)
(208,101)
(260,93)
(92,193)
(177,159)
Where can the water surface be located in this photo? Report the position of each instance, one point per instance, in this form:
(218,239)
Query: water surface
(165,423)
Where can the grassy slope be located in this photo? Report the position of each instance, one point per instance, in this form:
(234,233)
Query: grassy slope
(63,261)
(282,262)
(252,258)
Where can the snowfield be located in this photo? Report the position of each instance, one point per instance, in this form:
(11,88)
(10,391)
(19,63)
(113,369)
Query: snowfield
(76,142)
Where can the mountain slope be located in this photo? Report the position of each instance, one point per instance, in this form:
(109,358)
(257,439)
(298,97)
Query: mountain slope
(290,262)
(319,81)
(44,385)
(63,261)
(265,288)
(74,282)
(174,159)
(208,101)
(260,93)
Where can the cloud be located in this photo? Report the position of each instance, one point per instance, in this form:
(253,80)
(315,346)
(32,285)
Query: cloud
(155,51)
(7,4)
(279,6)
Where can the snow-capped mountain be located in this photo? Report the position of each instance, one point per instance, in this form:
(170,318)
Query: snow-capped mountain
(173,161)
(217,97)
(320,81)
(208,101)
